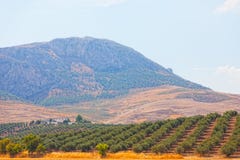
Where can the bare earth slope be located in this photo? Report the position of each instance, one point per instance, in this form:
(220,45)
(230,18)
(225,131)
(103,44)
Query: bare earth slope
(155,103)
(20,112)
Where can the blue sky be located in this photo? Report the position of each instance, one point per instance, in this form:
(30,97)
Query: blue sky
(198,39)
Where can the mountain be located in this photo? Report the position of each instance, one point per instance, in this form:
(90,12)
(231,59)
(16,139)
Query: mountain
(73,70)
(7,96)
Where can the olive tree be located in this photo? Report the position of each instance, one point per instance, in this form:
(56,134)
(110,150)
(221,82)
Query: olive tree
(102,149)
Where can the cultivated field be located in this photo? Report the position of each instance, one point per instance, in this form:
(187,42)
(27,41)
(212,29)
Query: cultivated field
(209,136)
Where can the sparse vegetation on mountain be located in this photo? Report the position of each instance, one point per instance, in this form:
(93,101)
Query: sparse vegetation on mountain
(7,96)
(65,71)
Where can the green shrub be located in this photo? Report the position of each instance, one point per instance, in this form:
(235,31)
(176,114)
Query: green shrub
(14,149)
(102,149)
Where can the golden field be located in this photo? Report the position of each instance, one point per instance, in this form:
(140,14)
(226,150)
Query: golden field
(110,156)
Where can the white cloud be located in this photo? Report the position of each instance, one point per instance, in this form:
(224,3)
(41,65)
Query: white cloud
(229,71)
(223,78)
(228,5)
(228,77)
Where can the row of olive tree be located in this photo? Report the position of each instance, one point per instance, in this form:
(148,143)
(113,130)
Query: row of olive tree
(31,143)
(202,125)
(222,123)
(234,142)
(147,143)
(166,144)
(134,139)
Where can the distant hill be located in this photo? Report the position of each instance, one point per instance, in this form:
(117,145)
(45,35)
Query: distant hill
(16,111)
(72,70)
(155,103)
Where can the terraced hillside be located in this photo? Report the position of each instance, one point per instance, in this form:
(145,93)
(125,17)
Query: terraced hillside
(208,135)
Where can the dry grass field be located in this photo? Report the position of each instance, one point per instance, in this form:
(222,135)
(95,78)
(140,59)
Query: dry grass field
(20,112)
(115,156)
(155,103)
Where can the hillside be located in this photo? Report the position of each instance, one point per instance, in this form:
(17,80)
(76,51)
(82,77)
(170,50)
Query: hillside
(154,104)
(16,111)
(100,79)
(71,70)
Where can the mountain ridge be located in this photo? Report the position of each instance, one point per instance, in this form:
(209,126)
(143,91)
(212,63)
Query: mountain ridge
(71,70)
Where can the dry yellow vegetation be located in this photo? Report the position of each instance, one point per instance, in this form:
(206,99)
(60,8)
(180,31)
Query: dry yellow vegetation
(22,112)
(111,156)
(154,104)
